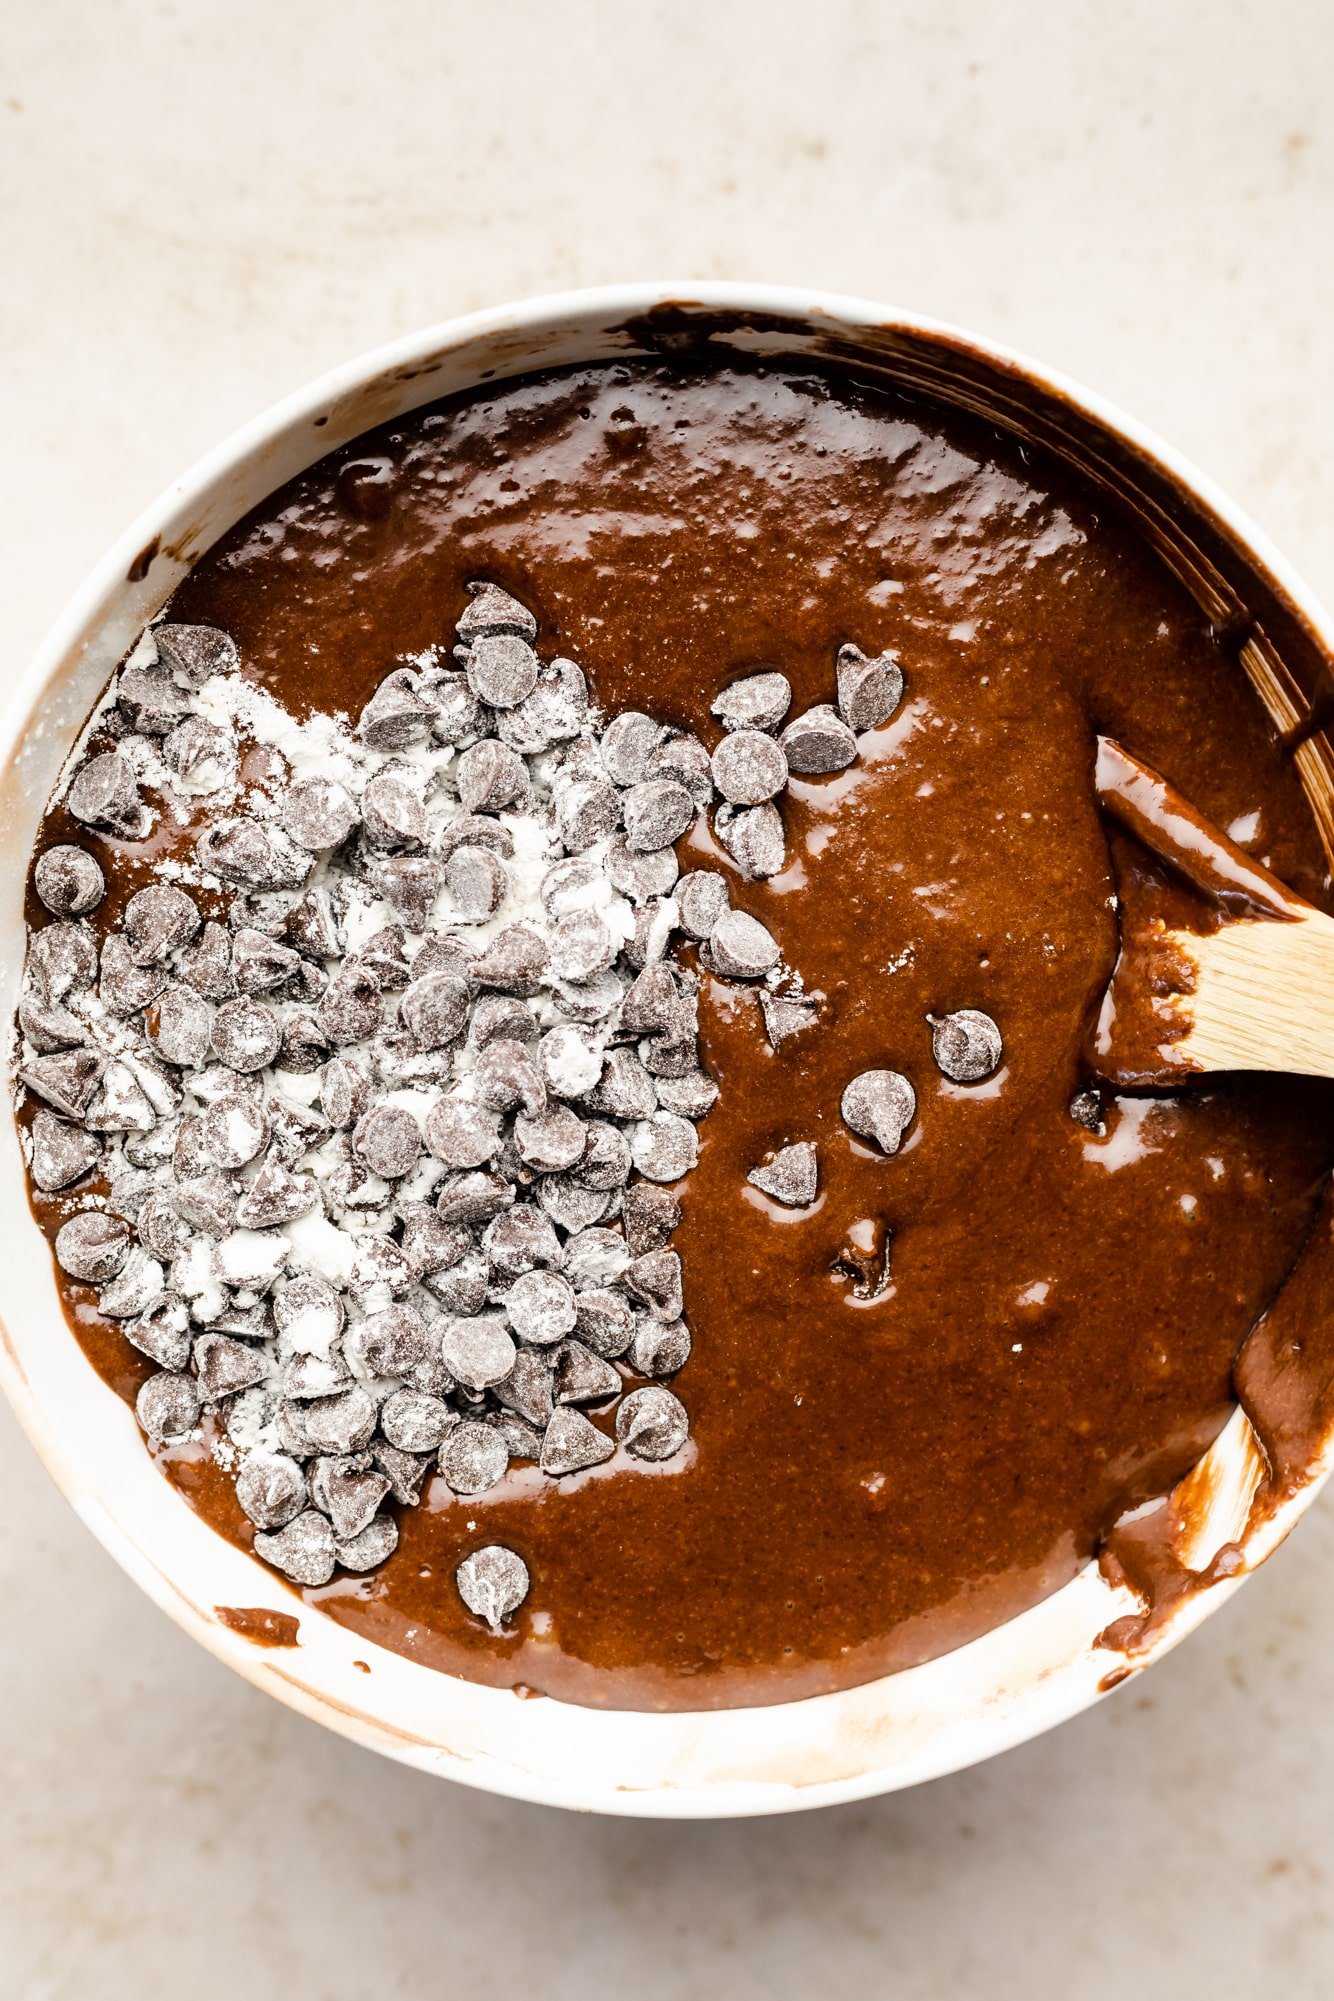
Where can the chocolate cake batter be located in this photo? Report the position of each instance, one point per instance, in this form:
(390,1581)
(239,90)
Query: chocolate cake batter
(920,1405)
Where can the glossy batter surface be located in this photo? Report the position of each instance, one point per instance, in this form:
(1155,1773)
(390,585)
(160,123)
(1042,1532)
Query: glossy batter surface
(869,1481)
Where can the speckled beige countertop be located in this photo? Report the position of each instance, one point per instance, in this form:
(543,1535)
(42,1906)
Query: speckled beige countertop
(203,205)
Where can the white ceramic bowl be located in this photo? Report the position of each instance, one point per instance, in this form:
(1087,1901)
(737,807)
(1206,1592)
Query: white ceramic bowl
(1014,1682)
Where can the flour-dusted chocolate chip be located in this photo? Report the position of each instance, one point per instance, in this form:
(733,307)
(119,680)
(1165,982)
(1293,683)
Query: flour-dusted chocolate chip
(755,701)
(303,1550)
(656,814)
(701,899)
(379,1273)
(966,1044)
(65,1081)
(405,1471)
(179,1026)
(664,1147)
(475,830)
(233,1131)
(869,689)
(92,1246)
(410,884)
(435,1009)
(271,1489)
(163,1333)
(754,837)
(477,1351)
(493,1583)
(260,965)
(429,1243)
(650,1214)
(655,1280)
(61,1153)
(541,1308)
(224,1366)
(206,1202)
(818,743)
(785,1015)
(150,700)
(374,1545)
(491,776)
(304,1045)
(415,1422)
(589,1001)
(459,718)
(385,956)
(253,855)
(62,960)
(308,1376)
(250,1260)
(207,966)
(461,1133)
(581,945)
(120,1104)
(276,1196)
(625,1089)
(652,1001)
(245,1035)
(659,1347)
(477,883)
(515,961)
(522,1240)
(202,757)
(587,810)
(644,876)
(791,1176)
(493,611)
(123,988)
(527,1388)
(652,1424)
(49,1025)
(310,926)
(571,1443)
(105,794)
(309,1314)
(196,652)
(387,1140)
(345,1091)
(742,947)
(351,1007)
(595,1257)
(580,1376)
(749,767)
(604,1322)
(69,881)
(879,1105)
(570,1205)
(606,1158)
(136,1288)
(168,1406)
(348,1491)
(473,1197)
(473,1457)
(683,758)
(392,810)
(340,1423)
(569,1061)
(627,744)
(502,669)
(550,1141)
(399,714)
(1086,1109)
(692,1095)
(161,1227)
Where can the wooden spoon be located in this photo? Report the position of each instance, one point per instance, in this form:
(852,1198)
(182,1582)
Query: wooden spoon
(1254,993)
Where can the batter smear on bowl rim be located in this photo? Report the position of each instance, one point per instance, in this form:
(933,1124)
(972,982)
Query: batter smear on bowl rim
(553,1045)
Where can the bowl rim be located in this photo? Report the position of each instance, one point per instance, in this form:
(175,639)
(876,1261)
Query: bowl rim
(1009,1685)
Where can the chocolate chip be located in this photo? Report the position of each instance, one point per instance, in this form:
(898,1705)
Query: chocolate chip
(161,1227)
(105,793)
(245,1035)
(581,946)
(966,1044)
(124,988)
(521,1240)
(1086,1109)
(410,884)
(415,1422)
(569,1061)
(869,690)
(641,876)
(473,1458)
(92,1246)
(438,954)
(580,1376)
(742,947)
(625,1090)
(351,1007)
(385,955)
(405,1471)
(308,1314)
(150,700)
(514,961)
(62,960)
(207,967)
(399,713)
(308,1376)
(589,1001)
(392,811)
(656,814)
(664,1147)
(203,757)
(701,899)
(224,1366)
(167,1406)
(319,813)
(692,1095)
(791,1177)
(879,1105)
(571,1443)
(655,1279)
(494,611)
(179,1025)
(206,1202)
(569,1204)
(139,1283)
(429,1243)
(476,880)
(310,927)
(345,1091)
(754,838)
(374,1546)
(271,1489)
(276,1196)
(541,1308)
(69,881)
(303,1551)
(550,1141)
(459,716)
(48,1025)
(163,1333)
(379,1272)
(473,1197)
(461,1134)
(527,1388)
(652,1001)
(388,1140)
(493,1583)
(232,1131)
(304,1045)
(348,1491)
(61,1153)
(65,1081)
(652,1423)
(659,1348)
(755,702)
(119,1104)
(477,1351)
(491,776)
(196,652)
(462,1289)
(587,810)
(254,856)
(818,742)
(785,1015)
(594,1258)
(340,1423)
(749,767)
(603,1322)
(522,1439)
(650,1216)
(502,669)
(475,830)
(627,744)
